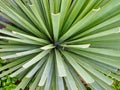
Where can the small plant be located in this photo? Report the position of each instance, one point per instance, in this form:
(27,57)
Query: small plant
(61,44)
(117,85)
(6,82)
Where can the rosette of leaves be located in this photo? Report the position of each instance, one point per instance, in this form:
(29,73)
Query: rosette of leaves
(61,44)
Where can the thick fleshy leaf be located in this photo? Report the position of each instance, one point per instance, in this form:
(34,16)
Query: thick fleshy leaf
(60,64)
(60,44)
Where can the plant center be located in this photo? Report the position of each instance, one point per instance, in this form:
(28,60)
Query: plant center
(57,45)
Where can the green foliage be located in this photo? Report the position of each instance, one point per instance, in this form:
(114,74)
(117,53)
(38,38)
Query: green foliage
(6,82)
(61,44)
(117,85)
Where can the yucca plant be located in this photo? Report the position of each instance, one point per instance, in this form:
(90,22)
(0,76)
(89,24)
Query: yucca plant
(61,44)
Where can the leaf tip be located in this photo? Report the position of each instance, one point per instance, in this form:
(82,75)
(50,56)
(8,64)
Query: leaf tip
(96,10)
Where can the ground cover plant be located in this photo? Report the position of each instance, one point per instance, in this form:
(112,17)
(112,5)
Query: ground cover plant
(61,44)
(6,82)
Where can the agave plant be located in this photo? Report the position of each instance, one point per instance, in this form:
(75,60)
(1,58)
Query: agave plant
(61,44)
